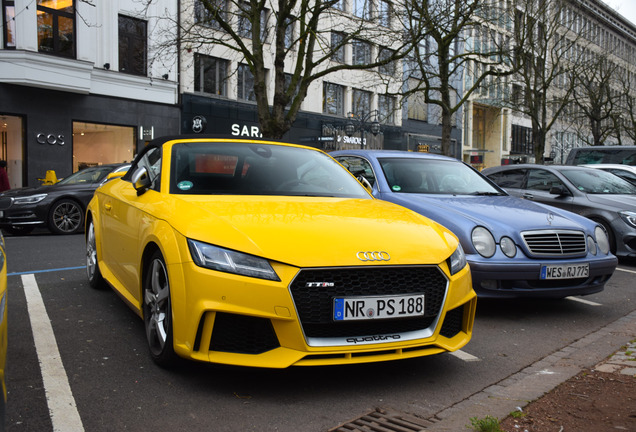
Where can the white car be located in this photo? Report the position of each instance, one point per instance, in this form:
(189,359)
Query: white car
(626,172)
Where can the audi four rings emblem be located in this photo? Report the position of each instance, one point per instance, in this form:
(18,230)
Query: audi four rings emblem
(373,256)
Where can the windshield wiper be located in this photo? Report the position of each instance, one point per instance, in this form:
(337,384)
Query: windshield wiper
(487,193)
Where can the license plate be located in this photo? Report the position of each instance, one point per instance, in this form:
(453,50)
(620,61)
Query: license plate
(381,307)
(565,271)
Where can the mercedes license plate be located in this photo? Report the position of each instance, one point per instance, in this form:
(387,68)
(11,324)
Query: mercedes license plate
(565,271)
(381,307)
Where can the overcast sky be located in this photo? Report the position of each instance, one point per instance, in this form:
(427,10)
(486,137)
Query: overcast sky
(627,8)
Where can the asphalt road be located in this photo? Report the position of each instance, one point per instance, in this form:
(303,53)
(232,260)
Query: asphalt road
(103,378)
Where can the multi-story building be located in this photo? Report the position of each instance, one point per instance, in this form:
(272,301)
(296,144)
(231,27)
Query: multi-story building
(217,85)
(83,83)
(495,132)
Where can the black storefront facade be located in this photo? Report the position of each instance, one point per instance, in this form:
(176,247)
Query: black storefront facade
(202,114)
(61,131)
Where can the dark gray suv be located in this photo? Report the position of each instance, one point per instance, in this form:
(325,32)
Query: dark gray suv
(598,195)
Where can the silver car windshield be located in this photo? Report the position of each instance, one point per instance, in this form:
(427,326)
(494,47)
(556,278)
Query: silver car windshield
(598,182)
(234,168)
(434,176)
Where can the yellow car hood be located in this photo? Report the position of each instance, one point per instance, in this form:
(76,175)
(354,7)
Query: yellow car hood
(312,231)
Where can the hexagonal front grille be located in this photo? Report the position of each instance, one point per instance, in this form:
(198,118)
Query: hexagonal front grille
(315,305)
(555,242)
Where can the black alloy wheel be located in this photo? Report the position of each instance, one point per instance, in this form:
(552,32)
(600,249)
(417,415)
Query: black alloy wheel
(66,217)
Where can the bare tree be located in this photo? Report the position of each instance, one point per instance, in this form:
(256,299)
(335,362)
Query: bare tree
(625,116)
(297,41)
(549,48)
(455,37)
(596,98)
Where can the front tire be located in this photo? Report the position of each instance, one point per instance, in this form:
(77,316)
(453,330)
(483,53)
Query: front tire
(66,217)
(157,311)
(95,278)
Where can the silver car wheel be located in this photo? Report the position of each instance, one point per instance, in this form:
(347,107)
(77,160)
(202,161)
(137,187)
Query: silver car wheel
(157,306)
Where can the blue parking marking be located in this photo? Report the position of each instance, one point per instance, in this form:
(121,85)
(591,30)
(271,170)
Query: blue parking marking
(45,271)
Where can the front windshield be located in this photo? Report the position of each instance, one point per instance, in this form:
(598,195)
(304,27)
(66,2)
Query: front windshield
(595,181)
(258,169)
(87,175)
(434,176)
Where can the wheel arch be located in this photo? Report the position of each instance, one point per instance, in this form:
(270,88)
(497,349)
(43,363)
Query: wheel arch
(607,226)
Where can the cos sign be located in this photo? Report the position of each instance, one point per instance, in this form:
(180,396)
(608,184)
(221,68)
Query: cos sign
(50,139)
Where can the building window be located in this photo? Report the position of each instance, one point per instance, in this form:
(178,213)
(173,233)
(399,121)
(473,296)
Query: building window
(361,102)
(384,13)
(56,27)
(204,16)
(9,24)
(245,22)
(210,75)
(386,109)
(333,99)
(132,45)
(521,140)
(245,90)
(385,54)
(96,143)
(361,52)
(337,47)
(362,9)
(339,4)
(289,32)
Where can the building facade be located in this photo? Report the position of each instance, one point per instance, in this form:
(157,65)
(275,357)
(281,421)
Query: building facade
(574,36)
(83,83)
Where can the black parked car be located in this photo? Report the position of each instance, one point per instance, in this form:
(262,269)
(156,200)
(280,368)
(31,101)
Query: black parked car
(59,207)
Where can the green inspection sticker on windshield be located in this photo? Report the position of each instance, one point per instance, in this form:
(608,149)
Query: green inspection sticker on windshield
(185,185)
(397,188)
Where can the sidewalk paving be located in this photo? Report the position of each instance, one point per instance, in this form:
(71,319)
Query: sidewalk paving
(604,350)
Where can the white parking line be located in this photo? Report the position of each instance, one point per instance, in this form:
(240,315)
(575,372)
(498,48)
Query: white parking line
(59,397)
(587,302)
(462,355)
(625,270)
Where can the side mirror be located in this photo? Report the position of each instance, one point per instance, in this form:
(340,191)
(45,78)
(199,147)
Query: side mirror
(141,180)
(559,190)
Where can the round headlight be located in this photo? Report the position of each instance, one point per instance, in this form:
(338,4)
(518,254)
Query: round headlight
(484,242)
(591,245)
(601,239)
(508,247)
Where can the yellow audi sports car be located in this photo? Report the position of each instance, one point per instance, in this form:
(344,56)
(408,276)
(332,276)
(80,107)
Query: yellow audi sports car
(266,254)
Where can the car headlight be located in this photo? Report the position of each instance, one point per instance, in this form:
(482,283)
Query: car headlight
(508,247)
(31,199)
(602,240)
(484,242)
(229,261)
(457,260)
(591,245)
(629,218)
